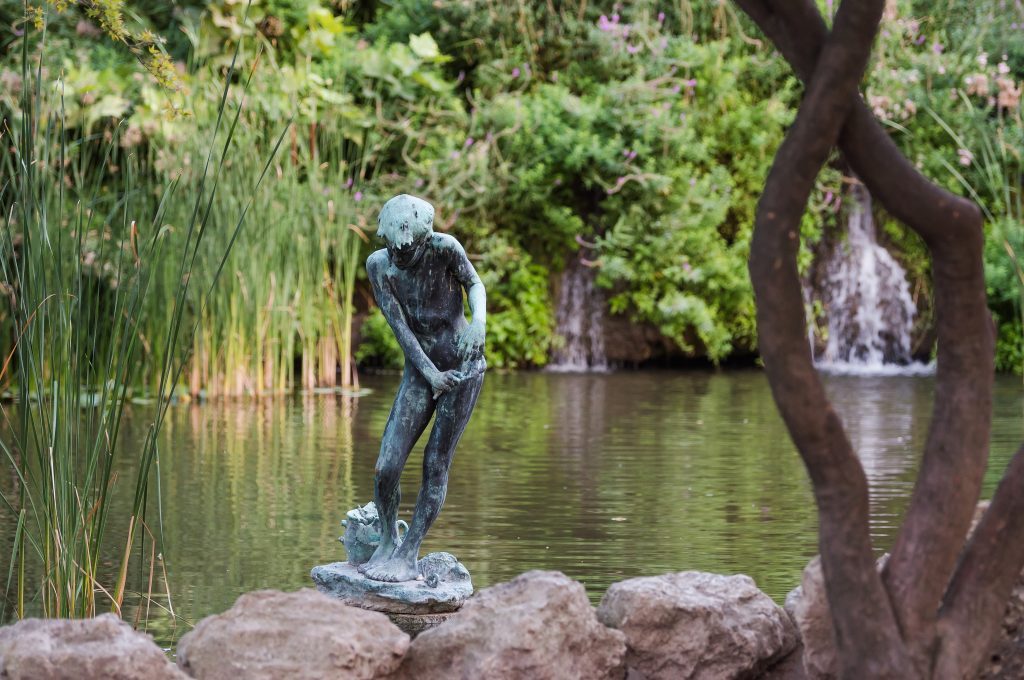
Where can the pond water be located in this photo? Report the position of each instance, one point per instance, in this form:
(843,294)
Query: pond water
(602,476)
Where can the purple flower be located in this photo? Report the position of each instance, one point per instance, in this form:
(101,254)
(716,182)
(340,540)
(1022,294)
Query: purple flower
(515,72)
(633,49)
(920,40)
(625,152)
(358,196)
(937,47)
(828,197)
(691,83)
(615,18)
(632,155)
(348,183)
(469,141)
(605,25)
(677,89)
(661,17)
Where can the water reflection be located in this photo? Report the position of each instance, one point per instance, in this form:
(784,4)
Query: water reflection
(603,477)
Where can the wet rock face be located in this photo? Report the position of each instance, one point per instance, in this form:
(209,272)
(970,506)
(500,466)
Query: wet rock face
(697,625)
(304,634)
(540,625)
(88,649)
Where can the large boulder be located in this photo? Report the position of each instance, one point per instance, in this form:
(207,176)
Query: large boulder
(808,605)
(540,625)
(104,648)
(693,624)
(304,634)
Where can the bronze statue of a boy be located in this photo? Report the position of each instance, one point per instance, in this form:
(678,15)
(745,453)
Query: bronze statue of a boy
(417,281)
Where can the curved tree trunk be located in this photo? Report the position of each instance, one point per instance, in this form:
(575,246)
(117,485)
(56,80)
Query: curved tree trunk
(895,620)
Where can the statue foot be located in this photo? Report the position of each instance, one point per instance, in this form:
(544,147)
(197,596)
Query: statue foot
(381,555)
(392,570)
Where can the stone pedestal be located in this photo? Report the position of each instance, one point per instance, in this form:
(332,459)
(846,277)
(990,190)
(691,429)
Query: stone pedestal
(414,606)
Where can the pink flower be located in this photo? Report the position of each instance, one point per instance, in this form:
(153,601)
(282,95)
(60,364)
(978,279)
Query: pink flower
(633,49)
(515,72)
(469,141)
(661,17)
(358,196)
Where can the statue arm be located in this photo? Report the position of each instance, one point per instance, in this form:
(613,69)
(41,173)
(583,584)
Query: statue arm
(472,341)
(395,315)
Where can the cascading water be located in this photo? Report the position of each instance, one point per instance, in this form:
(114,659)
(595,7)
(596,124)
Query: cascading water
(868,302)
(580,322)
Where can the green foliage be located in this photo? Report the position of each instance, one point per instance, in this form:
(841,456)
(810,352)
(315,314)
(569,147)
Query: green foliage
(81,273)
(635,137)
(377,345)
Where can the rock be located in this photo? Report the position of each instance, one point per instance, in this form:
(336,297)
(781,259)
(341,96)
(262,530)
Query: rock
(104,648)
(808,605)
(445,587)
(697,625)
(540,626)
(791,667)
(270,634)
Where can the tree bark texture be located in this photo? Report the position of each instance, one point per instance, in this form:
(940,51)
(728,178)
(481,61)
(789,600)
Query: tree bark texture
(889,627)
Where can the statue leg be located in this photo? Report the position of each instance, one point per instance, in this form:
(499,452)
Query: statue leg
(409,417)
(453,411)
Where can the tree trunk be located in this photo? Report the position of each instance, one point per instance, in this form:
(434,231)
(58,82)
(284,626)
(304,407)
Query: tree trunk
(895,621)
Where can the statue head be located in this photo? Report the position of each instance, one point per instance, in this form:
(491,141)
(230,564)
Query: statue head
(405,223)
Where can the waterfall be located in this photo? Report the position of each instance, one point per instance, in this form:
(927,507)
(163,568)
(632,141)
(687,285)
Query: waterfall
(580,322)
(868,303)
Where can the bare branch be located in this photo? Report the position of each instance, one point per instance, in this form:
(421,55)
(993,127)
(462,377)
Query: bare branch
(984,579)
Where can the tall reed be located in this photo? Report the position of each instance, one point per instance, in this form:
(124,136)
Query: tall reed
(282,315)
(81,286)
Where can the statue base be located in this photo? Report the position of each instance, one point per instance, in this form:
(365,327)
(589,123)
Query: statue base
(444,587)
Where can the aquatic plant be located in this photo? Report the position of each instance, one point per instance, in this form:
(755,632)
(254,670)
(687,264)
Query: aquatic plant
(79,269)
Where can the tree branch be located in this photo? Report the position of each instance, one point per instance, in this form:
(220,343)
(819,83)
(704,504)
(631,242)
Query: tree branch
(854,588)
(984,579)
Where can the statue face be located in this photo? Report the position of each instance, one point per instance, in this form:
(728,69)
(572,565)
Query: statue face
(409,254)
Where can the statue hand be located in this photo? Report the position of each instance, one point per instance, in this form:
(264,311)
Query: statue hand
(441,382)
(470,343)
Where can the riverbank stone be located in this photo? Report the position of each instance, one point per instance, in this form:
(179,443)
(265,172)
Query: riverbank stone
(540,625)
(808,606)
(697,625)
(444,586)
(101,648)
(301,635)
